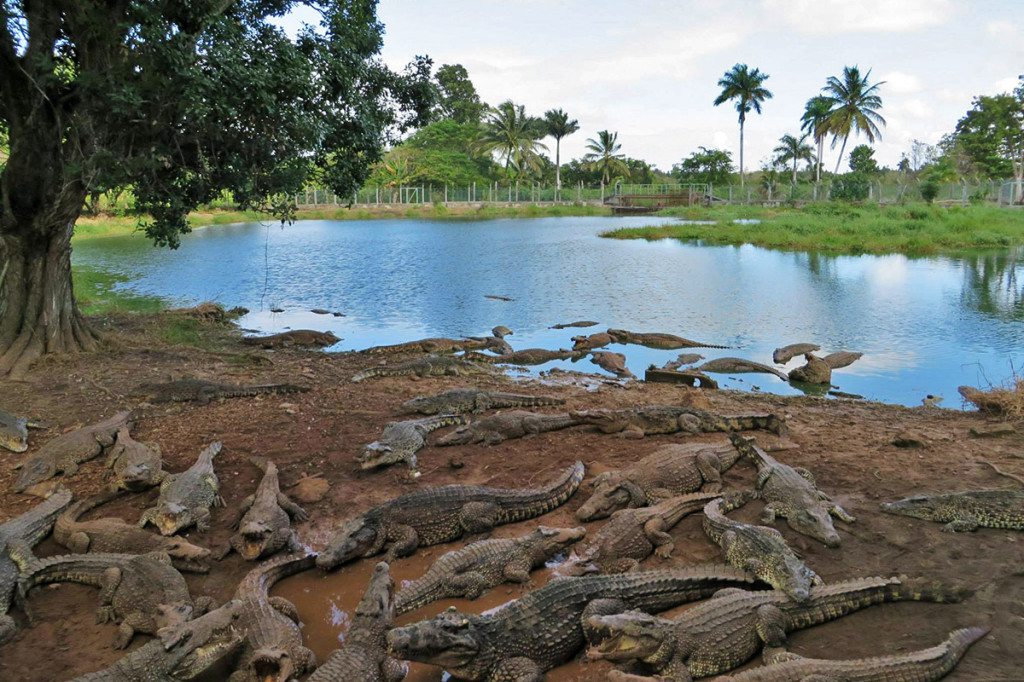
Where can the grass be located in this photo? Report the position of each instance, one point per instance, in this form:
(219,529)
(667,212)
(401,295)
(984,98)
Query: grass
(914,229)
(97,294)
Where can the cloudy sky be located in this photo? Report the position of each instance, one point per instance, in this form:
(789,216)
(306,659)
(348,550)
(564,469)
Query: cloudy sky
(648,68)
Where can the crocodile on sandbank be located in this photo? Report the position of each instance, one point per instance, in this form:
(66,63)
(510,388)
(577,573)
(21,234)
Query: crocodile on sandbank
(437,515)
(526,356)
(265,524)
(400,441)
(504,426)
(965,511)
(739,366)
(134,466)
(636,422)
(204,392)
(462,400)
(297,338)
(13,432)
(186,498)
(64,454)
(657,340)
(431,365)
(615,363)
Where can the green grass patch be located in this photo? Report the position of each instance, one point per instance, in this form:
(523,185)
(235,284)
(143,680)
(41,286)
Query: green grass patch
(96,293)
(842,228)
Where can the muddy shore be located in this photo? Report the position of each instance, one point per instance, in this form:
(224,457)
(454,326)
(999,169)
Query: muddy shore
(846,444)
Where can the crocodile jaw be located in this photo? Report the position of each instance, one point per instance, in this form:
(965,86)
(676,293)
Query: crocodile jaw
(623,638)
(448,640)
(14,438)
(34,471)
(918,507)
(376,455)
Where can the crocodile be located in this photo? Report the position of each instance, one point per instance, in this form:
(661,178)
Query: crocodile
(545,628)
(495,343)
(112,535)
(437,515)
(924,665)
(728,630)
(64,454)
(468,572)
(273,650)
(615,363)
(670,470)
(363,657)
(17,538)
(598,340)
(431,365)
(431,345)
(636,422)
(501,331)
(134,466)
(758,549)
(965,511)
(400,441)
(657,340)
(526,356)
(507,425)
(204,392)
(13,432)
(264,527)
(297,338)
(142,592)
(815,371)
(199,647)
(578,323)
(462,400)
(185,498)
(683,359)
(840,359)
(790,492)
(632,535)
(783,355)
(739,366)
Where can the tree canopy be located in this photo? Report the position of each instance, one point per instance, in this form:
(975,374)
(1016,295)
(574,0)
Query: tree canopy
(457,97)
(862,160)
(711,166)
(991,135)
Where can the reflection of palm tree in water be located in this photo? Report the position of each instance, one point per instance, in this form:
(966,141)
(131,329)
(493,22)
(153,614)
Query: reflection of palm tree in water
(991,285)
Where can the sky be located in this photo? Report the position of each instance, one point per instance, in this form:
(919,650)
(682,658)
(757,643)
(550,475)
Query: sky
(648,69)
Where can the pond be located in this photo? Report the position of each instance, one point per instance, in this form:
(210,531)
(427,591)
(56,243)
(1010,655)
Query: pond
(925,325)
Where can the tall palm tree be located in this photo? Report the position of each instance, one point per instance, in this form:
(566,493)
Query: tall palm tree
(559,125)
(746,86)
(514,136)
(855,104)
(604,156)
(815,123)
(795,149)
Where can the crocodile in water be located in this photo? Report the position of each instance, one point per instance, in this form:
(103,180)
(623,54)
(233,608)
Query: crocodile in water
(578,323)
(437,515)
(739,366)
(840,359)
(783,355)
(636,422)
(527,356)
(265,525)
(668,471)
(965,511)
(462,400)
(134,466)
(657,340)
(545,628)
(758,549)
(614,363)
(400,441)
(469,572)
(63,454)
(791,493)
(507,425)
(431,365)
(598,340)
(432,345)
(205,392)
(185,498)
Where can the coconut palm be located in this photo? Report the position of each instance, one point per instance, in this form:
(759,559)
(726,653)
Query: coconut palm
(604,156)
(815,123)
(795,149)
(855,104)
(559,125)
(746,86)
(514,136)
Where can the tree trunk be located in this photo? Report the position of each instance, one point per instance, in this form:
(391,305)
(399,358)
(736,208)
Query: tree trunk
(821,151)
(794,171)
(558,164)
(842,150)
(741,153)
(38,313)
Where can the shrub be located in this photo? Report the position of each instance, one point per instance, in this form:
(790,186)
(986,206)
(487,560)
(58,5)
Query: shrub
(929,190)
(851,187)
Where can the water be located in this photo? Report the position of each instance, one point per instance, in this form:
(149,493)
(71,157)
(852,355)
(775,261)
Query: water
(925,325)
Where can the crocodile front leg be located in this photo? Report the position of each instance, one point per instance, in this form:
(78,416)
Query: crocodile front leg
(771,629)
(285,608)
(710,468)
(110,581)
(78,543)
(654,529)
(769,513)
(468,585)
(243,507)
(293,510)
(517,570)
(841,514)
(405,541)
(520,669)
(962,525)
(478,517)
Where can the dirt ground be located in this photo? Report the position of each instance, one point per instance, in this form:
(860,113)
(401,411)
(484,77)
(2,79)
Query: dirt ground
(847,445)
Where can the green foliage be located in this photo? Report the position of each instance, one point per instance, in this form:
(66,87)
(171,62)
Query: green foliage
(557,124)
(514,137)
(851,187)
(792,149)
(991,134)
(98,293)
(862,160)
(604,157)
(929,189)
(746,86)
(711,166)
(442,153)
(457,98)
(854,103)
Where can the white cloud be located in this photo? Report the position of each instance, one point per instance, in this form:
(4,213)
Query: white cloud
(843,16)
(1005,84)
(900,83)
(1001,28)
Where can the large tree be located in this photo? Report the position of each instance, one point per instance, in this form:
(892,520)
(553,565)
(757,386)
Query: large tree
(746,86)
(793,149)
(515,137)
(182,101)
(603,156)
(815,122)
(457,97)
(559,125)
(855,103)
(991,134)
(708,166)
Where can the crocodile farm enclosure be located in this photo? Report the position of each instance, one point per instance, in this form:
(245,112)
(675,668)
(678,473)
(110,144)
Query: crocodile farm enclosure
(315,450)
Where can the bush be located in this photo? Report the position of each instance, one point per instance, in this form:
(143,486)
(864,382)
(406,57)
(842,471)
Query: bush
(851,187)
(929,190)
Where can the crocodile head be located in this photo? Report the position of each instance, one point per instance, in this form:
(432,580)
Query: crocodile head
(629,636)
(552,541)
(255,537)
(376,610)
(210,660)
(356,539)
(612,492)
(451,640)
(377,454)
(815,522)
(173,615)
(187,557)
(460,436)
(35,470)
(273,664)
(792,576)
(919,507)
(135,478)
(171,517)
(424,404)
(13,433)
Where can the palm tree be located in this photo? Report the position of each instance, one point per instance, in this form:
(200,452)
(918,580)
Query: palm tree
(855,104)
(514,136)
(559,125)
(604,156)
(814,122)
(793,149)
(746,86)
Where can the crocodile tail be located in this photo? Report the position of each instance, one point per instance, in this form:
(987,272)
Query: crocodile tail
(211,451)
(76,510)
(956,645)
(923,589)
(443,420)
(40,520)
(277,388)
(87,569)
(767,421)
(367,374)
(260,579)
(517,505)
(715,520)
(748,447)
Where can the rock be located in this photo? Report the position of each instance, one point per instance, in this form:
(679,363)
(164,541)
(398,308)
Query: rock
(910,439)
(455,463)
(310,489)
(337,314)
(277,310)
(816,371)
(993,430)
(501,331)
(320,311)
(290,408)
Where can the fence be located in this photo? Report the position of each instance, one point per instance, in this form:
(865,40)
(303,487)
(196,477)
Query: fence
(513,193)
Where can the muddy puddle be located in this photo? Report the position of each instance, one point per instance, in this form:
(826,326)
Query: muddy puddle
(326,603)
